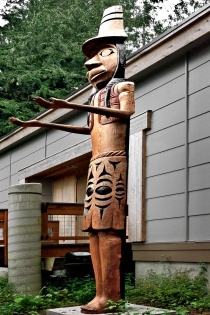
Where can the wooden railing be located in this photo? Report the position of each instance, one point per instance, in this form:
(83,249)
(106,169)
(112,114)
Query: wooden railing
(4,236)
(54,242)
(60,209)
(55,226)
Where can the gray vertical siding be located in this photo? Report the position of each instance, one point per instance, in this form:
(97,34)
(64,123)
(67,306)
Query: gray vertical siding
(30,152)
(178,191)
(57,141)
(199,144)
(164,94)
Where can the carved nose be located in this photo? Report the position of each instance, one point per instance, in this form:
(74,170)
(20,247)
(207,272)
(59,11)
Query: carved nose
(92,63)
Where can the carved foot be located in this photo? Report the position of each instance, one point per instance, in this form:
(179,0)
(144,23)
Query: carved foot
(97,306)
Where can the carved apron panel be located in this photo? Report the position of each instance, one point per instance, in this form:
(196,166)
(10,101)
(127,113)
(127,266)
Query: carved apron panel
(105,198)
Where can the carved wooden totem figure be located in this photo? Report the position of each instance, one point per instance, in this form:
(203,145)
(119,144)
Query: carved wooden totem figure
(111,105)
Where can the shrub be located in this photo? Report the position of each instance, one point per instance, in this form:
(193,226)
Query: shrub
(71,293)
(179,291)
(172,290)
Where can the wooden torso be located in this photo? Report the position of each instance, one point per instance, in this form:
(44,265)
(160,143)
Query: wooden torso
(107,133)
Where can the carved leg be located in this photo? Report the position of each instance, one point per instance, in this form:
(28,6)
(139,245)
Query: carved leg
(110,244)
(96,259)
(106,256)
(93,306)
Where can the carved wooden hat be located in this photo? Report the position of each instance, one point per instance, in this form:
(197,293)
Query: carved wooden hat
(111,30)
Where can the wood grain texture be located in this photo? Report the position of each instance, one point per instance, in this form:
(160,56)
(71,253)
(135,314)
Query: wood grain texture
(172,252)
(137,179)
(136,184)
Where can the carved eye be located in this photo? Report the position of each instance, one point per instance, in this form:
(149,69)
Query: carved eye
(103,190)
(89,191)
(106,52)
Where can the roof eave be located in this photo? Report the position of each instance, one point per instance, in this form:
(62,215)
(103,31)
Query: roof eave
(177,40)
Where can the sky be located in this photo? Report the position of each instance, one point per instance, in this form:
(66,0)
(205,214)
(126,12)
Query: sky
(161,13)
(2,4)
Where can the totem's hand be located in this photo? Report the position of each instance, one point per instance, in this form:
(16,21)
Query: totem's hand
(24,124)
(16,121)
(42,102)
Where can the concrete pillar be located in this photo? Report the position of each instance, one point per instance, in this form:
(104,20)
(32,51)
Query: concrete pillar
(24,238)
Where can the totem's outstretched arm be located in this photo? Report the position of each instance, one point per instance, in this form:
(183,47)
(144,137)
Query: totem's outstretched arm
(36,123)
(59,103)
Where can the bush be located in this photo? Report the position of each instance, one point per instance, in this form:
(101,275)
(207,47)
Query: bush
(179,291)
(172,290)
(71,293)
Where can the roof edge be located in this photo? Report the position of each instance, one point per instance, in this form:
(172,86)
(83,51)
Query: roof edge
(154,52)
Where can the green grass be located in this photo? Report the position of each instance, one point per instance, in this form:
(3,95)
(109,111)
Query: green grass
(179,291)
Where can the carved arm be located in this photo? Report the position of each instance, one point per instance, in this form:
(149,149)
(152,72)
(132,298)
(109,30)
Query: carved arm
(36,123)
(59,103)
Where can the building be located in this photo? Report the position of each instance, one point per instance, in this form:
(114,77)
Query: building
(169,166)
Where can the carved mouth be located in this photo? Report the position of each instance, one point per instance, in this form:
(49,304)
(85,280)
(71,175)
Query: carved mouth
(95,76)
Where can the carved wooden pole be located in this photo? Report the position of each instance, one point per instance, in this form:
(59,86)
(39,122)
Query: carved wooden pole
(105,200)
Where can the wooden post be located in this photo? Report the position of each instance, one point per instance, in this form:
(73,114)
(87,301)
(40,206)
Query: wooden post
(5,237)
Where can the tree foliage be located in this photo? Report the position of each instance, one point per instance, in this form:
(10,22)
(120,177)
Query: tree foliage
(41,46)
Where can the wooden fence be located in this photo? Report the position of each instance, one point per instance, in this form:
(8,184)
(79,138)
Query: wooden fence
(4,237)
(60,231)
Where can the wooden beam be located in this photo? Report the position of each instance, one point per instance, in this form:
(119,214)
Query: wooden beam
(1,253)
(137,187)
(73,155)
(172,246)
(60,250)
(5,238)
(141,122)
(71,238)
(175,252)
(44,229)
(2,215)
(173,256)
(62,208)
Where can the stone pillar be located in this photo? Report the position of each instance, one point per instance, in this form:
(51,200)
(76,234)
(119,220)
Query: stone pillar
(24,238)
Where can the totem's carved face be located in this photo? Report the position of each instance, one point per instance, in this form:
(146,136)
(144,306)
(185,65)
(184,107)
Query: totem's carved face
(101,66)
